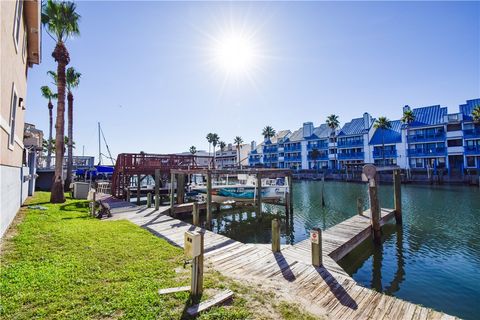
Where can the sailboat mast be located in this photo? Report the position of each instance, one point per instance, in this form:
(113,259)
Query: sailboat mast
(99,146)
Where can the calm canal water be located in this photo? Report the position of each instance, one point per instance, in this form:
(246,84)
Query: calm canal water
(434,260)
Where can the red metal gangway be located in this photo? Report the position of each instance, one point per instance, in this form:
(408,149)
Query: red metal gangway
(131,164)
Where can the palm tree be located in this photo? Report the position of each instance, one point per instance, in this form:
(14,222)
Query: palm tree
(209,139)
(48,94)
(408,116)
(215,140)
(382,123)
(268,132)
(61,22)
(193,150)
(314,155)
(238,142)
(73,80)
(476,114)
(333,123)
(222,145)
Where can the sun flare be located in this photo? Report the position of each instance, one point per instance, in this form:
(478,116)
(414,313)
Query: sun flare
(235,53)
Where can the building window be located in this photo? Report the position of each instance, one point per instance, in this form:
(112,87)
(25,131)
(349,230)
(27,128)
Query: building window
(454,127)
(455,143)
(13,112)
(17,22)
(471,162)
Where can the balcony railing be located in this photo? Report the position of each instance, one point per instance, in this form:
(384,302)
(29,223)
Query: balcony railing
(320,157)
(270,159)
(254,160)
(270,150)
(472,150)
(427,152)
(426,137)
(290,148)
(471,133)
(351,155)
(293,158)
(317,146)
(349,143)
(378,154)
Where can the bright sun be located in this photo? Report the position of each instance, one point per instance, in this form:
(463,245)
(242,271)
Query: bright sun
(235,53)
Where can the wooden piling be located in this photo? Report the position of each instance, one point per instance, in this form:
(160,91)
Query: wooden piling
(275,235)
(172,194)
(374,209)
(197,270)
(360,206)
(196,214)
(259,194)
(149,200)
(128,195)
(290,193)
(209,199)
(397,195)
(138,189)
(316,240)
(181,189)
(157,189)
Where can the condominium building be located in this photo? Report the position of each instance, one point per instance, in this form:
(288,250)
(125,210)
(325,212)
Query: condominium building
(434,140)
(20,48)
(229,156)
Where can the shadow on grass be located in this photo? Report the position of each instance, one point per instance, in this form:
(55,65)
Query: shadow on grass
(76,206)
(192,300)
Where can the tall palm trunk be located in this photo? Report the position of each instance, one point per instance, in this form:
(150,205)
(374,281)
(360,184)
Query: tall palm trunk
(68,180)
(49,148)
(383,148)
(61,56)
(238,152)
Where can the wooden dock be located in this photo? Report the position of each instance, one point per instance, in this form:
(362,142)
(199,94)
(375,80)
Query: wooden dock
(321,290)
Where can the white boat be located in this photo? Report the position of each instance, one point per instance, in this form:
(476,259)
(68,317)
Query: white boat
(243,190)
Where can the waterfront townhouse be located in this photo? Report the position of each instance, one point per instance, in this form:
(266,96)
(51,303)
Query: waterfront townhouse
(471,134)
(426,138)
(229,156)
(387,146)
(255,156)
(273,150)
(353,142)
(293,149)
(318,148)
(20,44)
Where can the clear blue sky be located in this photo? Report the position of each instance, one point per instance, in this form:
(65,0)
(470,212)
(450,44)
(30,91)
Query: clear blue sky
(149,78)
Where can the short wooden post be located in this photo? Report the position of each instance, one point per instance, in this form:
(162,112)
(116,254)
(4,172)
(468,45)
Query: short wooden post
(209,199)
(316,240)
(138,189)
(149,200)
(172,194)
(290,192)
(275,235)
(397,195)
(92,209)
(128,195)
(196,214)
(374,209)
(259,193)
(157,189)
(323,189)
(360,206)
(181,189)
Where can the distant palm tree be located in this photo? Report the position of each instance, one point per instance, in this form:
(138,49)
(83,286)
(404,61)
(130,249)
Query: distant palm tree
(476,114)
(222,145)
(382,123)
(408,116)
(333,123)
(238,142)
(60,21)
(314,155)
(215,140)
(268,132)
(210,140)
(48,94)
(193,150)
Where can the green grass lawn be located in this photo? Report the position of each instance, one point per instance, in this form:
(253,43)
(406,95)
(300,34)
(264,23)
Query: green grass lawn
(60,263)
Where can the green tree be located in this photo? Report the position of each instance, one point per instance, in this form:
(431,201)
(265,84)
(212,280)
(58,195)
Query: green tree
(193,150)
(476,114)
(47,93)
(210,140)
(268,132)
(333,123)
(238,142)
(408,116)
(315,155)
(215,140)
(60,21)
(382,123)
(222,145)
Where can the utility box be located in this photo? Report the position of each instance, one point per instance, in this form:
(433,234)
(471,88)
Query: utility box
(192,244)
(80,190)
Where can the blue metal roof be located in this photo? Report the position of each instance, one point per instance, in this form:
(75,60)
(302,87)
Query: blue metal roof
(354,127)
(428,116)
(392,135)
(467,108)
